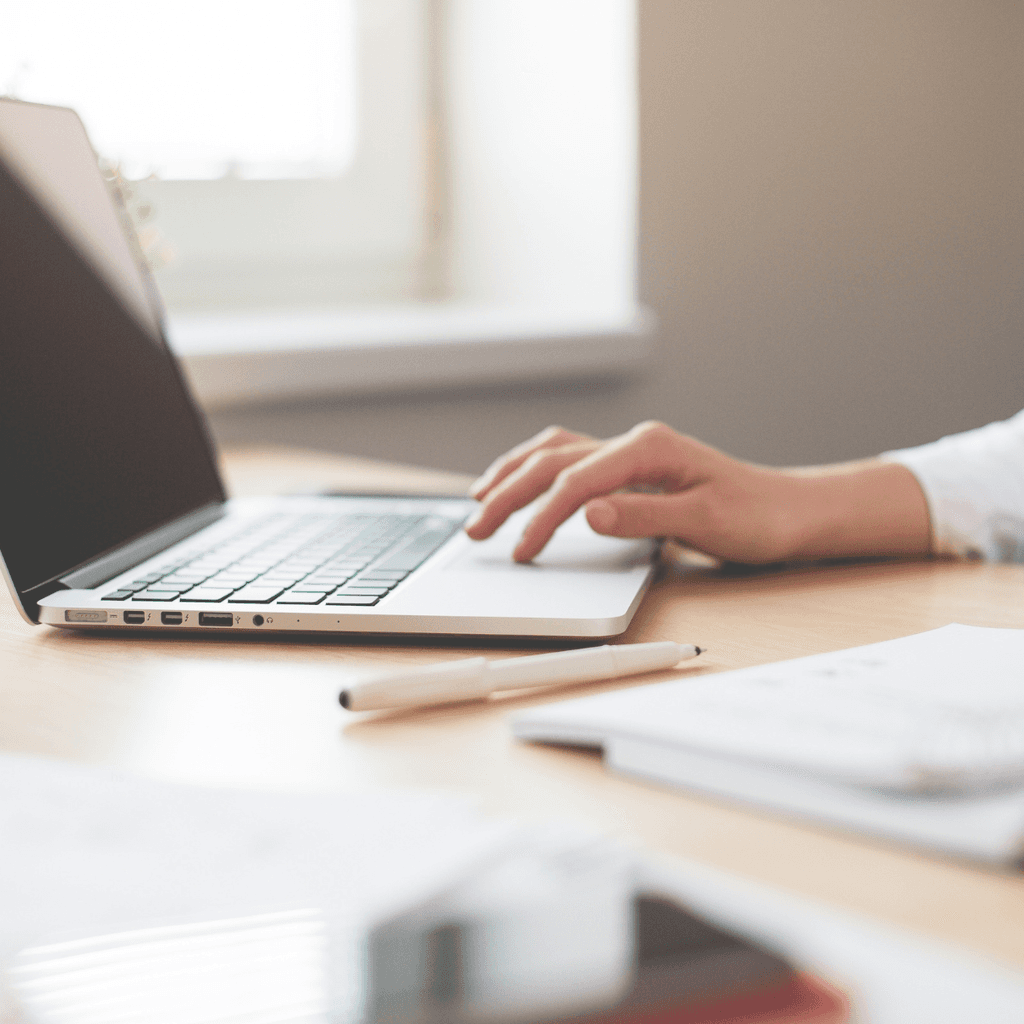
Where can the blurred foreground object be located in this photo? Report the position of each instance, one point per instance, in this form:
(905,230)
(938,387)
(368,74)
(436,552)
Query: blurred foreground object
(557,931)
(550,930)
(542,931)
(93,854)
(264,969)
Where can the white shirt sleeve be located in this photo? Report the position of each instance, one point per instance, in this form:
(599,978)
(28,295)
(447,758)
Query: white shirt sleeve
(974,485)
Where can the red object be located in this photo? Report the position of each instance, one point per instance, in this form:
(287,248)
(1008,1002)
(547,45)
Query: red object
(803,1000)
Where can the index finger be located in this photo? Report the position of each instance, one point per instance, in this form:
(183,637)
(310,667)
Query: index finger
(533,477)
(629,459)
(501,467)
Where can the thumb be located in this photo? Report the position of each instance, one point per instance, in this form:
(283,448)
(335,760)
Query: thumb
(638,515)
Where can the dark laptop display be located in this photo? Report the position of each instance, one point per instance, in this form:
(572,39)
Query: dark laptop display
(92,396)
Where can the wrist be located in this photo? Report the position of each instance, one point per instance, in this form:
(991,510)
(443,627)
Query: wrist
(858,509)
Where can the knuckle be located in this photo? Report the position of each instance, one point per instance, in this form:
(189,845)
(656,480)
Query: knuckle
(551,433)
(650,427)
(568,476)
(570,482)
(499,465)
(541,459)
(653,432)
(655,438)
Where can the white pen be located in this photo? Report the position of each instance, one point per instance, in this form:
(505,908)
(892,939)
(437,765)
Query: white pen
(475,678)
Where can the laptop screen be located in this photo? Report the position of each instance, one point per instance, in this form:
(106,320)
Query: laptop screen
(101,441)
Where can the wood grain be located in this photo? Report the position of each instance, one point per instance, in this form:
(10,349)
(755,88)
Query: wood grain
(263,713)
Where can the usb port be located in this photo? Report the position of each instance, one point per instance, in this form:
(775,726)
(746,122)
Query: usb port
(135,618)
(216,619)
(170,618)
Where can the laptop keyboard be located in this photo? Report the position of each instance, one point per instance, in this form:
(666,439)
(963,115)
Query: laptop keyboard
(354,559)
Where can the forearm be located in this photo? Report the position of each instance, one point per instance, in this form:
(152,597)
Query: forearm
(857,509)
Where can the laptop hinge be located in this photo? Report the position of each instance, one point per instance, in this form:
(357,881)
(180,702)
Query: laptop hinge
(107,566)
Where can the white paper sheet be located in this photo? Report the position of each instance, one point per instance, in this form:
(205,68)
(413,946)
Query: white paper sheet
(920,738)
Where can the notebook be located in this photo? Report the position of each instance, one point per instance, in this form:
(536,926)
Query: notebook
(115,517)
(919,739)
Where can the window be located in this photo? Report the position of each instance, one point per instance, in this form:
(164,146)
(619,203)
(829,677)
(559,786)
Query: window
(285,136)
(535,165)
(267,95)
(481,155)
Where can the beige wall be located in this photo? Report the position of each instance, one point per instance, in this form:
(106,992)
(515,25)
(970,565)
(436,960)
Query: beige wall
(831,233)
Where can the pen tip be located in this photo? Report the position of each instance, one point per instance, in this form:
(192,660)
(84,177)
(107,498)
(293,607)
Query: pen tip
(699,650)
(343,698)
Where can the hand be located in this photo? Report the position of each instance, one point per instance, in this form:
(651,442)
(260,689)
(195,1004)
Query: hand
(709,501)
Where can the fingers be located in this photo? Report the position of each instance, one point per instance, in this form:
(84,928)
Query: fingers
(574,470)
(550,437)
(521,486)
(649,453)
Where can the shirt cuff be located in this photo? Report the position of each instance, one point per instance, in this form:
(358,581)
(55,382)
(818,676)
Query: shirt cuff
(974,485)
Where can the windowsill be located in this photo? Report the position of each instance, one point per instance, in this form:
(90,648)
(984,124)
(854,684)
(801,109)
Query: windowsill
(250,358)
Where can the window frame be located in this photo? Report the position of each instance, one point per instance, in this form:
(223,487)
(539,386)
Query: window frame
(245,243)
(530,263)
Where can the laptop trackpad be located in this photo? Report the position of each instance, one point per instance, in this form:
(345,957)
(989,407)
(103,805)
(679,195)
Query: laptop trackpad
(578,575)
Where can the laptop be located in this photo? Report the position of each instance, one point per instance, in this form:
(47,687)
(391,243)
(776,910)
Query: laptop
(114,516)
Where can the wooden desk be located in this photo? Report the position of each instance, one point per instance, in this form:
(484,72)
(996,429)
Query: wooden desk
(256,713)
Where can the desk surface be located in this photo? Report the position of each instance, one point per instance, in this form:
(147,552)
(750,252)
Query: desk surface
(253,713)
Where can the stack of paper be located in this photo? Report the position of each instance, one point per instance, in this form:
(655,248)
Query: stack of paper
(920,739)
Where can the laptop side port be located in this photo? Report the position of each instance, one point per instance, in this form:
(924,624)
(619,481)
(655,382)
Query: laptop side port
(170,618)
(135,618)
(216,619)
(85,615)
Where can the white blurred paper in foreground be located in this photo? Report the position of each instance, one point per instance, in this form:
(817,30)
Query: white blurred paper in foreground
(289,885)
(263,969)
(88,852)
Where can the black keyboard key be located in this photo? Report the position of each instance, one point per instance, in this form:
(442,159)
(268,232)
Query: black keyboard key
(293,597)
(156,595)
(117,595)
(352,599)
(378,591)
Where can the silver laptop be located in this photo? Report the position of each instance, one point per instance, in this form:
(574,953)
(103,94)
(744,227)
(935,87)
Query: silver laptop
(113,514)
